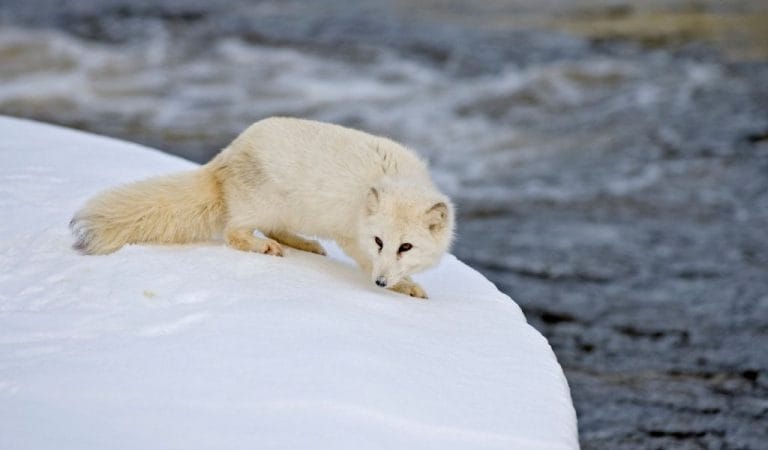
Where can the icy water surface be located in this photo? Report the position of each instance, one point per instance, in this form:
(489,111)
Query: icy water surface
(617,188)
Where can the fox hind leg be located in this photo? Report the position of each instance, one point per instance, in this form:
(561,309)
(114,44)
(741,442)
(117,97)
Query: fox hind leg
(243,239)
(298,242)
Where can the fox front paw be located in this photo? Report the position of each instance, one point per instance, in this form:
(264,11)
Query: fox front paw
(408,287)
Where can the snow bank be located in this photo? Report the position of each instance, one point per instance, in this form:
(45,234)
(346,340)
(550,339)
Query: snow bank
(201,346)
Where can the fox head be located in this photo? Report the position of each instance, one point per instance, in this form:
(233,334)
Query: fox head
(403,230)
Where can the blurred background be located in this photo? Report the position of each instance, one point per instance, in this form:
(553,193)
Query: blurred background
(609,159)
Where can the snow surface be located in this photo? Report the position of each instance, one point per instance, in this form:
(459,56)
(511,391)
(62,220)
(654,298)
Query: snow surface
(204,347)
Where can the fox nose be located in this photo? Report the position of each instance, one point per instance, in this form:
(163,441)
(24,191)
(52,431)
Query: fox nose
(381,281)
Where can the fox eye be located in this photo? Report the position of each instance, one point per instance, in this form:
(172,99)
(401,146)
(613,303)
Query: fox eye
(404,248)
(378,242)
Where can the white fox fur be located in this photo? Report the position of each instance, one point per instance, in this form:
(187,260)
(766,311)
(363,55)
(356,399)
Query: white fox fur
(286,177)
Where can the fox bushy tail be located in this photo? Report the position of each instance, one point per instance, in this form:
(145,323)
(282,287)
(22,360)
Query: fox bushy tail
(179,208)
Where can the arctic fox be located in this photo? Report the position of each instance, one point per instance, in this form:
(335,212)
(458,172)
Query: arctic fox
(287,177)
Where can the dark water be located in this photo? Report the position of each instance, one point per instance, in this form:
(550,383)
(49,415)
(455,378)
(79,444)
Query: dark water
(616,186)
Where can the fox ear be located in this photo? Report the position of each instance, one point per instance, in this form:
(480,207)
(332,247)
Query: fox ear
(437,217)
(372,201)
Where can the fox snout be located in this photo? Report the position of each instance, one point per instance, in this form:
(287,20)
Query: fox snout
(386,279)
(384,276)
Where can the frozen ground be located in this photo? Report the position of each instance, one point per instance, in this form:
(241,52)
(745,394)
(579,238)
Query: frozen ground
(205,347)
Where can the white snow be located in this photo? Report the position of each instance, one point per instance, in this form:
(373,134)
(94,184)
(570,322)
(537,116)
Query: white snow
(204,347)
